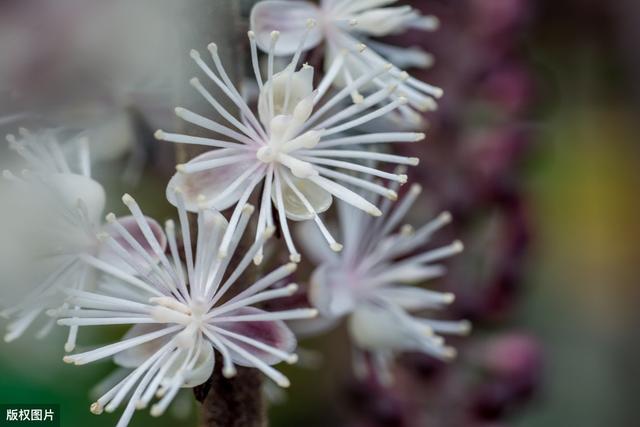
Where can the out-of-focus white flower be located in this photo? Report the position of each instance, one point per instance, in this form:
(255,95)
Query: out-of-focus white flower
(347,25)
(64,65)
(293,149)
(183,313)
(368,284)
(55,215)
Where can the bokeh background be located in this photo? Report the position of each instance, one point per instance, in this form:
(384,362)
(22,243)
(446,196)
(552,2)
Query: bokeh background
(574,98)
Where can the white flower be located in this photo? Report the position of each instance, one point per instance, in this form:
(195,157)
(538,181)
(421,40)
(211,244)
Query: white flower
(349,25)
(54,217)
(368,284)
(292,150)
(183,314)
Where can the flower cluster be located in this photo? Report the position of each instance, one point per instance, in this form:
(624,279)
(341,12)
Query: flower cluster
(182,312)
(61,216)
(295,149)
(368,284)
(301,143)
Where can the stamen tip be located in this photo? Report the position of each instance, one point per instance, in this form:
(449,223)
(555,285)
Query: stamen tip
(293,288)
(353,22)
(420,136)
(446,217)
(402,178)
(374,212)
(466,327)
(450,352)
(292,359)
(295,258)
(110,217)
(251,35)
(213,48)
(336,247)
(159,135)
(458,246)
(275,35)
(69,347)
(311,23)
(449,298)
(361,47)
(292,266)
(179,111)
(248,209)
(284,383)
(194,81)
(416,189)
(194,54)
(180,168)
(392,195)
(229,372)
(127,199)
(68,359)
(407,230)
(156,411)
(414,161)
(96,408)
(269,232)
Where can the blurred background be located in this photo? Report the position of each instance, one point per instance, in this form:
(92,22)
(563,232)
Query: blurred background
(534,150)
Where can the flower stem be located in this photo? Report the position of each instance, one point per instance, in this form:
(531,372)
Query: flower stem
(232,402)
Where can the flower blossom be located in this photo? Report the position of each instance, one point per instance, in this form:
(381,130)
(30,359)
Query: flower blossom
(347,25)
(183,313)
(368,284)
(294,150)
(54,217)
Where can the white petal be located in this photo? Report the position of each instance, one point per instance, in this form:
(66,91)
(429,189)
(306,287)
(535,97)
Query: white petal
(377,328)
(203,368)
(300,87)
(290,19)
(331,291)
(318,197)
(209,184)
(312,327)
(72,187)
(135,356)
(384,21)
(130,224)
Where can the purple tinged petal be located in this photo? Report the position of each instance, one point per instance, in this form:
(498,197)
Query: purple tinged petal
(273,333)
(290,19)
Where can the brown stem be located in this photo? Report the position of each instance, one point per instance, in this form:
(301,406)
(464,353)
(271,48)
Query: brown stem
(234,402)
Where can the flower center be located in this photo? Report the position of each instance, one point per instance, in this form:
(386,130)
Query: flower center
(268,153)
